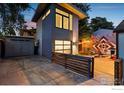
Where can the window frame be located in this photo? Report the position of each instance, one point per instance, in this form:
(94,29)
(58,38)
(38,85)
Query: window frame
(63,48)
(62,22)
(63,19)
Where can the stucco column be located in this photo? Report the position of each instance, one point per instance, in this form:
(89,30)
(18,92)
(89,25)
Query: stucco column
(75,36)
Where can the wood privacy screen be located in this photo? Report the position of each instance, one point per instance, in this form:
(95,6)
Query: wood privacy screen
(118,72)
(79,64)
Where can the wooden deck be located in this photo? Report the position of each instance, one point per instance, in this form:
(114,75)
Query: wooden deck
(36,71)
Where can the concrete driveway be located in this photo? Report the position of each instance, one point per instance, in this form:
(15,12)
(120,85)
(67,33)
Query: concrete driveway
(36,71)
(103,72)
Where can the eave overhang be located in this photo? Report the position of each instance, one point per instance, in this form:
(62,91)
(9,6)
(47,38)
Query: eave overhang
(68,6)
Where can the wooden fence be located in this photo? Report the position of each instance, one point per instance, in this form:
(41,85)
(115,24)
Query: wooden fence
(79,64)
(118,72)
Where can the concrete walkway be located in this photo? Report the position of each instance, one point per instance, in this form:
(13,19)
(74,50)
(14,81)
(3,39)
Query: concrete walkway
(36,71)
(103,72)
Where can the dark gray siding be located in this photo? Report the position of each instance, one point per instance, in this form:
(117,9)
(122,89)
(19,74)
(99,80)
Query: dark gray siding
(58,33)
(48,33)
(61,34)
(47,26)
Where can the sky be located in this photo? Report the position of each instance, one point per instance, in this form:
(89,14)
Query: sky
(114,12)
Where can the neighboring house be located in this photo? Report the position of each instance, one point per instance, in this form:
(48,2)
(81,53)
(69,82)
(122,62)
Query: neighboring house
(57,28)
(104,40)
(28,32)
(120,43)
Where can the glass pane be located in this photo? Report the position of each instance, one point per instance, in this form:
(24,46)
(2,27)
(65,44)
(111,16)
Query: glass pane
(67,42)
(67,47)
(58,21)
(60,51)
(67,51)
(58,47)
(65,23)
(61,12)
(70,22)
(58,42)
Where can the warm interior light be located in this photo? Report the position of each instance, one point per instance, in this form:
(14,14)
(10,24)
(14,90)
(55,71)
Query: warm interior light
(67,42)
(61,12)
(65,22)
(58,42)
(58,21)
(63,46)
(71,22)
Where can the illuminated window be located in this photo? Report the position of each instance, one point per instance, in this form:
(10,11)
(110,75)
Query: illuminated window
(46,14)
(70,22)
(62,12)
(63,46)
(58,21)
(63,20)
(67,42)
(65,23)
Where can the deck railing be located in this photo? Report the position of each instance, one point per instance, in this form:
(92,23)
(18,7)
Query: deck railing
(79,64)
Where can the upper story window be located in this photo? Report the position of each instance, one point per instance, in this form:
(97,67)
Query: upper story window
(46,14)
(63,20)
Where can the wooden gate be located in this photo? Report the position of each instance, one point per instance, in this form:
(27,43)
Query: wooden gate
(79,64)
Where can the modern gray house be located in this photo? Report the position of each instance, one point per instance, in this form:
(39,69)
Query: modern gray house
(57,28)
(119,30)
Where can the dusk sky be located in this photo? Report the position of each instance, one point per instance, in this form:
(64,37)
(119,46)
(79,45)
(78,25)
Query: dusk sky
(113,12)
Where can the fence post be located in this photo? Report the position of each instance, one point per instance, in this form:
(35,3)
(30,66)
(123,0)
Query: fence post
(89,63)
(92,67)
(118,72)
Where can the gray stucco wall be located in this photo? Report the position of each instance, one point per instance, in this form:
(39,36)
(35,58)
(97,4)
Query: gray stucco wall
(39,35)
(61,34)
(18,46)
(75,35)
(44,34)
(121,48)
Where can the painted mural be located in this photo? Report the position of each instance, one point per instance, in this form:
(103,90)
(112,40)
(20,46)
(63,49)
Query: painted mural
(104,41)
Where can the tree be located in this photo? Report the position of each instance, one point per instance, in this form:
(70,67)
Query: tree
(84,28)
(100,22)
(12,19)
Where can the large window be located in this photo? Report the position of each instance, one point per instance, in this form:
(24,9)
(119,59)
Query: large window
(58,21)
(63,20)
(63,46)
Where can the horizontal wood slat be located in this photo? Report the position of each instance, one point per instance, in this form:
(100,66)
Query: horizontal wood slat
(79,64)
